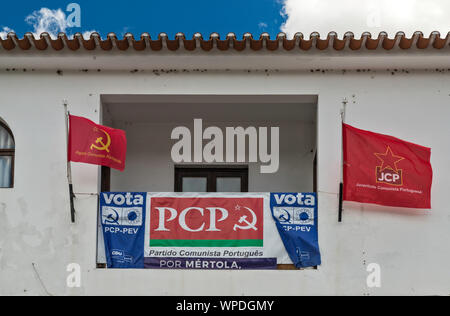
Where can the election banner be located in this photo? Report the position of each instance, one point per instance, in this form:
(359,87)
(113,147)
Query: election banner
(123,219)
(295,215)
(222,231)
(212,231)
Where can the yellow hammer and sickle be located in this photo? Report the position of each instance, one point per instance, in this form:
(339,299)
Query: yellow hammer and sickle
(100,141)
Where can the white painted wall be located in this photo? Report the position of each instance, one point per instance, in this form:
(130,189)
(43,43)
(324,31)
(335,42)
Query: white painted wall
(150,167)
(411,246)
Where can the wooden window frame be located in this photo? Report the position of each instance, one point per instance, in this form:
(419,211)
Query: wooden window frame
(9,153)
(105,179)
(211,173)
(315,173)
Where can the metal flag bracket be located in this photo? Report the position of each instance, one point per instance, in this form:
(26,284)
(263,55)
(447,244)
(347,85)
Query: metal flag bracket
(69,169)
(341,184)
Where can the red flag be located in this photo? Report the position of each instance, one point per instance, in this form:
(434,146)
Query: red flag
(385,170)
(96,144)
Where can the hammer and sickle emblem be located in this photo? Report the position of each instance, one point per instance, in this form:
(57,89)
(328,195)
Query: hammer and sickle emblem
(100,141)
(285,218)
(111,216)
(249,225)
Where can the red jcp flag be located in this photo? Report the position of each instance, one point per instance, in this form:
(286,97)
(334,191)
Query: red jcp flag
(385,170)
(96,144)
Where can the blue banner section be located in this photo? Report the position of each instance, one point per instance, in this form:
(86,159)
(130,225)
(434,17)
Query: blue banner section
(295,215)
(123,220)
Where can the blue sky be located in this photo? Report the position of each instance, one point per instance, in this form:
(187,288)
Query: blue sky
(225,16)
(155,16)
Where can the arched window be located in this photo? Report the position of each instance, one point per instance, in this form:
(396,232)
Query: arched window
(7,151)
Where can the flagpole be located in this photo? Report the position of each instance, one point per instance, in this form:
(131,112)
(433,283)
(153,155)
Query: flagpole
(69,168)
(341,184)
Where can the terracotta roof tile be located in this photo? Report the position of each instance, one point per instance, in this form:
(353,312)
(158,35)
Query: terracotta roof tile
(230,42)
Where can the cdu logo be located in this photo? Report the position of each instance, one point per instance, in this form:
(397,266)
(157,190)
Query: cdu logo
(122,216)
(294,215)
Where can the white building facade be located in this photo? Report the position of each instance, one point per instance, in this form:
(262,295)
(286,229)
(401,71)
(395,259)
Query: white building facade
(400,91)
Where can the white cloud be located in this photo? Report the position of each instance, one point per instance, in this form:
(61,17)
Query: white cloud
(262,25)
(4,32)
(359,16)
(47,20)
(51,21)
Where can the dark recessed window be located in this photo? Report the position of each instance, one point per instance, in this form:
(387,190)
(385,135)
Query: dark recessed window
(7,151)
(211,179)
